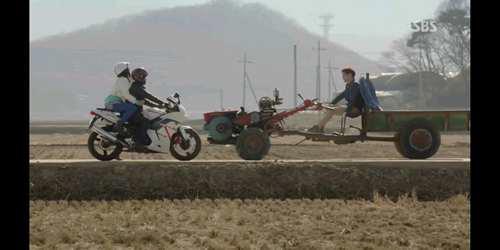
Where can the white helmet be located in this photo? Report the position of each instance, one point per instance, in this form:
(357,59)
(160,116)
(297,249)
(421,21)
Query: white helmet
(120,67)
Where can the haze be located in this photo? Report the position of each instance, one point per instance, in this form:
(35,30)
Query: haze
(366,26)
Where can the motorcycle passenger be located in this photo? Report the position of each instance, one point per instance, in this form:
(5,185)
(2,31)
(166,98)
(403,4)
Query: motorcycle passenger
(138,91)
(120,100)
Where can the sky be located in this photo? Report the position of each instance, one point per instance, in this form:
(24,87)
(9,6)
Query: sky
(366,26)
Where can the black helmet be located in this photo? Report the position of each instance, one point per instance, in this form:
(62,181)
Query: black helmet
(139,74)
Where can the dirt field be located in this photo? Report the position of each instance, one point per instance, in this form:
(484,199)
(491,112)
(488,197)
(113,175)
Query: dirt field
(250,224)
(68,146)
(67,140)
(152,180)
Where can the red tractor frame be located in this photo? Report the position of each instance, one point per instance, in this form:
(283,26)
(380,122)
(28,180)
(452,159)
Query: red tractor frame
(250,131)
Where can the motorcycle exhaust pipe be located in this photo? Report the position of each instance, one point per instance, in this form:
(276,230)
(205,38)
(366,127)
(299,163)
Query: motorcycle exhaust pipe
(108,136)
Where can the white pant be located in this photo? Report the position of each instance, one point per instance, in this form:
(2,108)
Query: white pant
(329,113)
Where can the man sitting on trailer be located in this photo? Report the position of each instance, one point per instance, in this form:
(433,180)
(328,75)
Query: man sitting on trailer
(353,97)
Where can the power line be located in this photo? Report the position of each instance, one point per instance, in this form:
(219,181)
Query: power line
(221,95)
(318,71)
(326,25)
(253,92)
(244,61)
(331,80)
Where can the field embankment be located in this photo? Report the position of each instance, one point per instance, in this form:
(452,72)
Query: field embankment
(121,180)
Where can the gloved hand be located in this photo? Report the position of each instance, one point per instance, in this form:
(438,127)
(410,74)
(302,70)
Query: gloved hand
(165,104)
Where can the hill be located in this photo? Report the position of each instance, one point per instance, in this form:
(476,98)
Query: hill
(192,50)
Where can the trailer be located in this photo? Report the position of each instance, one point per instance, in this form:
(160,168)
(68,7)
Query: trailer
(415,134)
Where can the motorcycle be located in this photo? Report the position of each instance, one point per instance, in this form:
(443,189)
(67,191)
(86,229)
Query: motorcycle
(166,132)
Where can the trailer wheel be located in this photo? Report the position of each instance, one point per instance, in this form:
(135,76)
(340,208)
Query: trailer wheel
(253,144)
(418,139)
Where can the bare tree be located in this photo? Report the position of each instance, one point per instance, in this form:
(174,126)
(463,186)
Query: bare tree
(441,52)
(455,34)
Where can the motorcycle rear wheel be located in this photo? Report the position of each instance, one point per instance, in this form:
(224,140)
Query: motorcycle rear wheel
(98,148)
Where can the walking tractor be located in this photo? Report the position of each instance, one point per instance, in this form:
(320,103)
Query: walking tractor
(416,134)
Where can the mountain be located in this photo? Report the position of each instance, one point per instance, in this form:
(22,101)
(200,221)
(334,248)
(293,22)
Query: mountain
(192,50)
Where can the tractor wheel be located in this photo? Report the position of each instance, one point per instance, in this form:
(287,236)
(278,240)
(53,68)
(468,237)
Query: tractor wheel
(220,129)
(418,139)
(253,144)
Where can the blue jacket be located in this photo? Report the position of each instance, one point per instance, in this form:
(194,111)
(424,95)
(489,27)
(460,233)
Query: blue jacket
(353,97)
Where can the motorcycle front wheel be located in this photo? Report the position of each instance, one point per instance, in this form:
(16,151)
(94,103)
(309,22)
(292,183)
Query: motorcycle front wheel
(185,150)
(103,149)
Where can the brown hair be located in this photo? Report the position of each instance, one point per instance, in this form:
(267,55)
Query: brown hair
(349,70)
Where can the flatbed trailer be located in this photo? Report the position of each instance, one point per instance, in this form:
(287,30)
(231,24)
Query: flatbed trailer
(417,134)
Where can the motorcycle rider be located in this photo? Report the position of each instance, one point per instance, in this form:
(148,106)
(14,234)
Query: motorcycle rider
(138,91)
(120,100)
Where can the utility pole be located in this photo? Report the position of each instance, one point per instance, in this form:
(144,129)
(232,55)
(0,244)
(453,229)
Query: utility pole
(295,75)
(244,61)
(221,95)
(318,71)
(331,80)
(326,25)
(253,92)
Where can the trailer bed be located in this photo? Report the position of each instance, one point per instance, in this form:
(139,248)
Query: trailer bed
(390,121)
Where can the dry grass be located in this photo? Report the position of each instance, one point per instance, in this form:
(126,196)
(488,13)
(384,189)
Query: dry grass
(250,224)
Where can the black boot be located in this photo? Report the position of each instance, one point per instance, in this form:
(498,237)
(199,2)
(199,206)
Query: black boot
(140,148)
(118,126)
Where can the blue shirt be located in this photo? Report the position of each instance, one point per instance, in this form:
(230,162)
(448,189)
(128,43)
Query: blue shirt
(353,97)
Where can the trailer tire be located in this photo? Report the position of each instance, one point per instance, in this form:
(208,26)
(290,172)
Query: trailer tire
(418,139)
(253,144)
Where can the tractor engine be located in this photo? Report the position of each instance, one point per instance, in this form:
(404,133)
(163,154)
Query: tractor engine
(266,108)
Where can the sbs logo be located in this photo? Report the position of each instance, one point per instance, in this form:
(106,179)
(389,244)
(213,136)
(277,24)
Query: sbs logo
(427,25)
